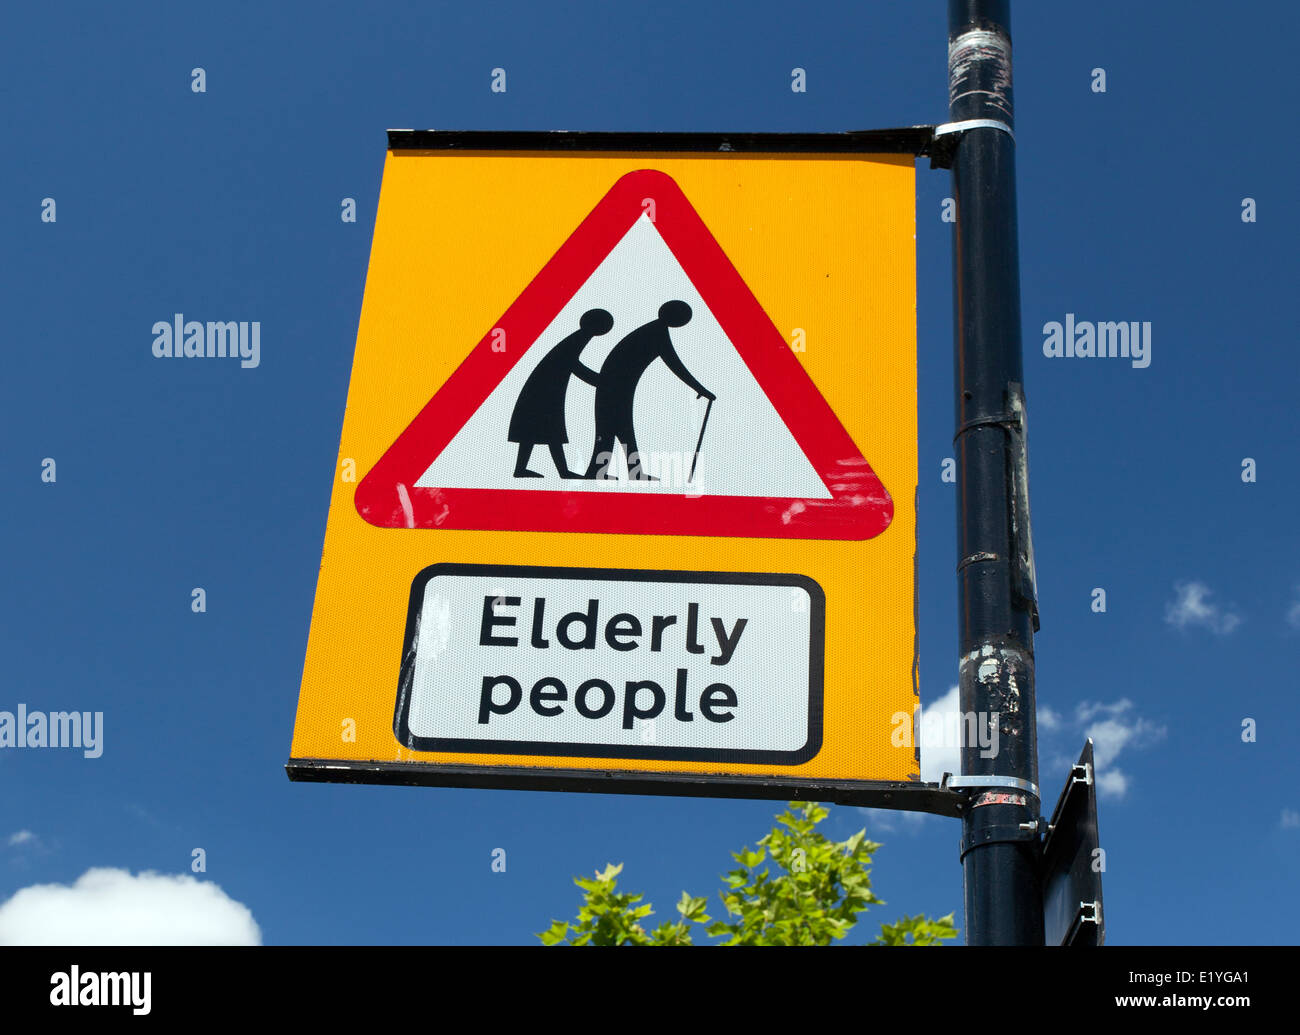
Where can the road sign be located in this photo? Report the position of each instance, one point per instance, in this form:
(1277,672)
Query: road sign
(626,484)
(1073,863)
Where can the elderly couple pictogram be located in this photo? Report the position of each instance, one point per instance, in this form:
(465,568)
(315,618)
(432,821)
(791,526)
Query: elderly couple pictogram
(539,416)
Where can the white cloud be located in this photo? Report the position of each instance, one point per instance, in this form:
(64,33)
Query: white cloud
(891,820)
(21,838)
(1114,729)
(1290,819)
(1089,710)
(1048,719)
(1293,613)
(1112,784)
(111,907)
(939,733)
(1191,607)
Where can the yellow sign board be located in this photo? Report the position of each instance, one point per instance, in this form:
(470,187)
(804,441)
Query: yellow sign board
(626,487)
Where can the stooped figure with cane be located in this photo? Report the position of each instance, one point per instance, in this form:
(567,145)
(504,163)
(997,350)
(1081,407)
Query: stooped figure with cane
(616,389)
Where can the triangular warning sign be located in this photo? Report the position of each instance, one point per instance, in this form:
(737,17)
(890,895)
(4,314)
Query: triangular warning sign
(636,386)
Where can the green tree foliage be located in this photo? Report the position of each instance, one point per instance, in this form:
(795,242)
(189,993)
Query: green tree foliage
(796,887)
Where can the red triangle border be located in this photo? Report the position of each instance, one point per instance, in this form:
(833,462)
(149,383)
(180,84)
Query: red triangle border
(860,507)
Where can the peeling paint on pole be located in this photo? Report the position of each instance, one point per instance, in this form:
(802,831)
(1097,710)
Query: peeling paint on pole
(979,62)
(1004,673)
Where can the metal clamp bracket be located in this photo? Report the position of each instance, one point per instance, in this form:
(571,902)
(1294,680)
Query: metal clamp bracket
(1080,773)
(1007,421)
(943,145)
(1001,783)
(1001,834)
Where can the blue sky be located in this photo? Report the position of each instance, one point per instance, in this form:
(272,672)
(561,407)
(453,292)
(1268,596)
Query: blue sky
(175,476)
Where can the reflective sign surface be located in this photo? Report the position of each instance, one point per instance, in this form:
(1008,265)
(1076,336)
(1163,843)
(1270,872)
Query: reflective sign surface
(627,475)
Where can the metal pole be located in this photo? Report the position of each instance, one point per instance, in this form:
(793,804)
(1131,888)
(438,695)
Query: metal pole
(995,580)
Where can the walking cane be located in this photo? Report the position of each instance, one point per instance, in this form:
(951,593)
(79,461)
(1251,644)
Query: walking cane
(696,459)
